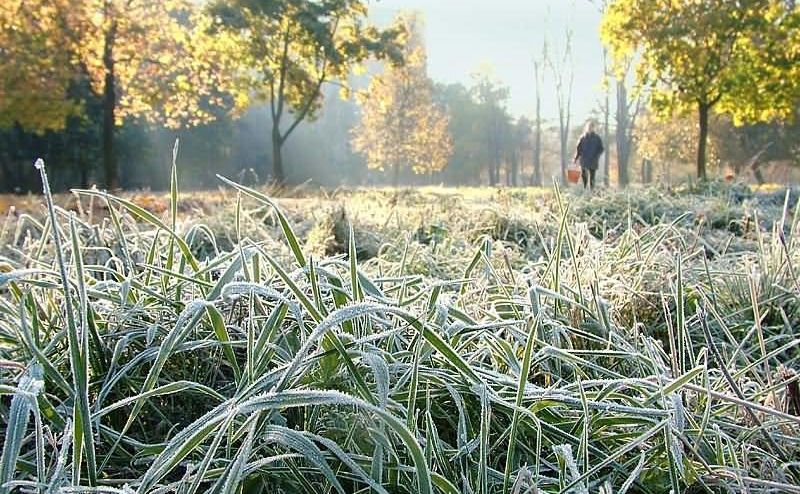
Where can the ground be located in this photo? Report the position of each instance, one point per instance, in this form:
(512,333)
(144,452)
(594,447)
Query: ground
(486,339)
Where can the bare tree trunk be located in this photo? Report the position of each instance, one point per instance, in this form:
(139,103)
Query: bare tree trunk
(6,175)
(537,139)
(644,170)
(623,144)
(8,160)
(494,161)
(562,134)
(606,117)
(606,154)
(647,171)
(507,167)
(514,168)
(702,113)
(564,100)
(565,153)
(277,106)
(83,164)
(109,110)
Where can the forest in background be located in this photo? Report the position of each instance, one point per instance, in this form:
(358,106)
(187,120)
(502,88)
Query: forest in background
(103,104)
(259,336)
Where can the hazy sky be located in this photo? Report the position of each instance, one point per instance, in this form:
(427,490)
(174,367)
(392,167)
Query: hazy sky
(463,35)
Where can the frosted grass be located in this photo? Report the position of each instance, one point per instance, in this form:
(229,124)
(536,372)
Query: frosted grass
(649,359)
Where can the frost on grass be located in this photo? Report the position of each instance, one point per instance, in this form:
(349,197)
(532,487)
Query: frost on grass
(326,387)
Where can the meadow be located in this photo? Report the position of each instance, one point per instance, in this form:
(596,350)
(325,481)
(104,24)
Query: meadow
(429,340)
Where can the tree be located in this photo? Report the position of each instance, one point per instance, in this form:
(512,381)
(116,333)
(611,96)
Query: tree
(564,77)
(287,50)
(667,142)
(401,127)
(537,135)
(491,97)
(519,140)
(627,112)
(737,57)
(143,59)
(606,117)
(34,73)
(467,128)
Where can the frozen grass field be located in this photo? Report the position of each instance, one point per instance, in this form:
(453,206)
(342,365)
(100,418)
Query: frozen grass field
(431,340)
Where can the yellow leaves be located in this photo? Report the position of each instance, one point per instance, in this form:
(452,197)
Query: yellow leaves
(400,126)
(182,82)
(163,61)
(713,52)
(97,19)
(34,74)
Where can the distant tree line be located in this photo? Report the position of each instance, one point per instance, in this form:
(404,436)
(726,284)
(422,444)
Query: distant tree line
(99,69)
(100,89)
(290,91)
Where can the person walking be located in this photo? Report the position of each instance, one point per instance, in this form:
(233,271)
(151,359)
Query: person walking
(589,149)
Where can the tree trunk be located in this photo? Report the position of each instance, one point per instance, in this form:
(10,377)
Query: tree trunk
(623,144)
(5,176)
(537,155)
(491,165)
(496,165)
(563,138)
(277,155)
(647,171)
(396,175)
(493,161)
(702,111)
(514,168)
(83,164)
(606,139)
(5,161)
(109,111)
(758,174)
(537,140)
(755,164)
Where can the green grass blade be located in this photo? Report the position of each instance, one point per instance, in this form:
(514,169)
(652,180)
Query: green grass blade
(291,238)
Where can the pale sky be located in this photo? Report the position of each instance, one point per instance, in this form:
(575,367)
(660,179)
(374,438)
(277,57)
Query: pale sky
(463,35)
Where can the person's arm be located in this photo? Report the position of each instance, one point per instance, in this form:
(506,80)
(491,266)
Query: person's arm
(578,150)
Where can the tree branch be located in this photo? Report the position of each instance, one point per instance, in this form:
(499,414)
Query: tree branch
(306,107)
(283,71)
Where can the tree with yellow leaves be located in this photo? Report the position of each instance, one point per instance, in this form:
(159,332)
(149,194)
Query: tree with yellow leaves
(288,50)
(143,59)
(34,71)
(401,127)
(740,58)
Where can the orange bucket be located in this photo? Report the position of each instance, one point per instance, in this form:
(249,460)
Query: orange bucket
(573,175)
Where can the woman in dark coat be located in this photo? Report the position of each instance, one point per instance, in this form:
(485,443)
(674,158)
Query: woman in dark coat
(590,147)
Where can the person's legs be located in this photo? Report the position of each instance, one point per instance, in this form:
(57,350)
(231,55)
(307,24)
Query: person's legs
(592,172)
(584,175)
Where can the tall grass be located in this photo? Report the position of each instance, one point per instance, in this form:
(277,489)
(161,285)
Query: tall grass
(458,343)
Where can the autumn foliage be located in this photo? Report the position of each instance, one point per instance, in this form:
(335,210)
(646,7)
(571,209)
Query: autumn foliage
(401,127)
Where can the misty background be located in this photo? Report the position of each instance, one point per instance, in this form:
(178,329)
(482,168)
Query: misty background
(473,49)
(505,36)
(463,38)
